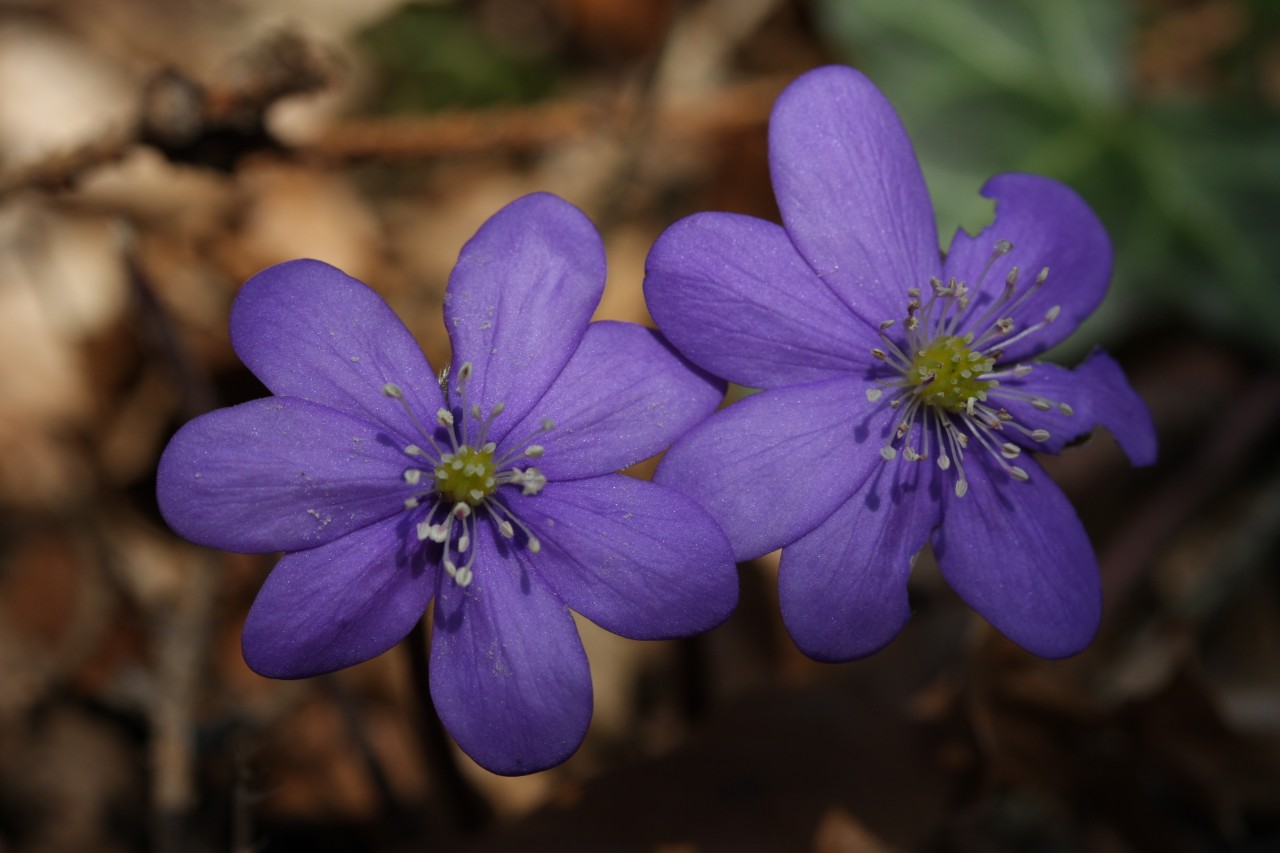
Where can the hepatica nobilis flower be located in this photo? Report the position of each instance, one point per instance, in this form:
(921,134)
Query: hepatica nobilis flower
(900,393)
(492,490)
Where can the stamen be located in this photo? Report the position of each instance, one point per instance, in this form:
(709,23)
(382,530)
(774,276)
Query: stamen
(521,447)
(395,392)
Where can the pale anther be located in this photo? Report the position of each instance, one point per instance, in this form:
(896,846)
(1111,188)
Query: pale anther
(393,391)
(873,394)
(412,476)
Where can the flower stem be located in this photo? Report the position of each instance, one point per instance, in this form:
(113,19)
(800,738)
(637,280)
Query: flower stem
(460,808)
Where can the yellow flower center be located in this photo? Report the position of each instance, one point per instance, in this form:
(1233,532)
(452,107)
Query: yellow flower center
(945,373)
(467,475)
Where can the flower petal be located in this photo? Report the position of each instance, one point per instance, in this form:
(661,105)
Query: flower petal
(1098,394)
(1049,226)
(843,587)
(850,191)
(277,474)
(636,558)
(624,396)
(508,673)
(309,330)
(773,466)
(520,298)
(339,604)
(732,294)
(1017,554)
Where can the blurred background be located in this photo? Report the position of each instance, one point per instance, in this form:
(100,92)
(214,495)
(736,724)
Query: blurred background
(155,153)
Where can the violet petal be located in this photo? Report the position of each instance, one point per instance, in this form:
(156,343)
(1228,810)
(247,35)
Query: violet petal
(277,474)
(339,604)
(309,330)
(732,294)
(509,676)
(1098,394)
(851,193)
(519,301)
(636,558)
(773,466)
(843,587)
(1049,226)
(1018,555)
(624,396)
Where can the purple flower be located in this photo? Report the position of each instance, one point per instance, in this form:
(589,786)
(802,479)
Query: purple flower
(496,494)
(900,392)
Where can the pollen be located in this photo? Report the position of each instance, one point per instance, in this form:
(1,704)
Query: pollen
(467,475)
(946,374)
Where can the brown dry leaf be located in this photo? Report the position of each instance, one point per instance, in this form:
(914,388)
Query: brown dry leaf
(185,204)
(841,832)
(56,94)
(627,247)
(61,281)
(314,773)
(68,779)
(54,613)
(291,212)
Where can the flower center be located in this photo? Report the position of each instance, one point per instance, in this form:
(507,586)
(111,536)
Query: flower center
(946,375)
(466,476)
(463,473)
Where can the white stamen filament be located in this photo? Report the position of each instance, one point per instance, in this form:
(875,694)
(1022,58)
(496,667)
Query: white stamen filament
(946,367)
(469,476)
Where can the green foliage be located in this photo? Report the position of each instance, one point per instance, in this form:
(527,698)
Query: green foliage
(1188,191)
(433,57)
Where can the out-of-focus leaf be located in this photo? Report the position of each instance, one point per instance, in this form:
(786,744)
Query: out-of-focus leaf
(1188,194)
(434,57)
